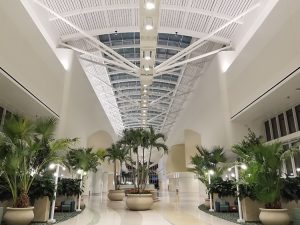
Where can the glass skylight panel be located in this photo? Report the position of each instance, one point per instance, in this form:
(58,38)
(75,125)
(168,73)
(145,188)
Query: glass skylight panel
(99,80)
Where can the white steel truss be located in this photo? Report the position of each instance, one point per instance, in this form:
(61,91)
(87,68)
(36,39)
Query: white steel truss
(115,63)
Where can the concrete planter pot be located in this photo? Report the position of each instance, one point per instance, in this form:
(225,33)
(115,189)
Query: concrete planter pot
(18,216)
(251,209)
(139,202)
(116,195)
(41,209)
(154,195)
(274,216)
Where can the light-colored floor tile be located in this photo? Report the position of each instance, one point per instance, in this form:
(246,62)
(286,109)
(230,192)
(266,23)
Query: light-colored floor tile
(172,209)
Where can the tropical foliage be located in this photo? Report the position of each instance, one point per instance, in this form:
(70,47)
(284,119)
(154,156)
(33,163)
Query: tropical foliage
(43,185)
(291,189)
(69,187)
(138,142)
(222,187)
(206,160)
(83,159)
(262,180)
(244,149)
(117,152)
(26,149)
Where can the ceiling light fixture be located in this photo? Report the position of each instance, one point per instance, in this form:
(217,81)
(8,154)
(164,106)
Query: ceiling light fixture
(149,4)
(149,23)
(145,91)
(146,68)
(147,55)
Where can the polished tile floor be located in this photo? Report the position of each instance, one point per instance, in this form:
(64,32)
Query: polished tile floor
(172,209)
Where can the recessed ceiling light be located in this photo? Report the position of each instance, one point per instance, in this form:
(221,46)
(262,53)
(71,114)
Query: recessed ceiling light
(149,4)
(145,91)
(149,23)
(146,68)
(147,55)
(149,27)
(145,85)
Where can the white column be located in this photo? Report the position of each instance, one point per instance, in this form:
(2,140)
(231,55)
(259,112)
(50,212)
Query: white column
(240,219)
(210,195)
(79,198)
(52,220)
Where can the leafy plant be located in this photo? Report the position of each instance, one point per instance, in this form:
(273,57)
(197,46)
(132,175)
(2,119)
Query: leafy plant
(83,159)
(222,187)
(26,148)
(206,160)
(247,190)
(264,165)
(291,189)
(43,185)
(244,149)
(69,187)
(117,152)
(143,139)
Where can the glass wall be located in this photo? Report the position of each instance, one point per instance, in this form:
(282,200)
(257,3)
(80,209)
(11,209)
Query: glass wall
(283,124)
(4,115)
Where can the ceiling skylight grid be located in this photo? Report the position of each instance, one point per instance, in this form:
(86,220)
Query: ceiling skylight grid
(118,84)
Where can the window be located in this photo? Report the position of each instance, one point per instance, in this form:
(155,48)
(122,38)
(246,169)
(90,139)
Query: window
(297,163)
(268,132)
(289,167)
(282,125)
(297,109)
(7,115)
(291,121)
(274,128)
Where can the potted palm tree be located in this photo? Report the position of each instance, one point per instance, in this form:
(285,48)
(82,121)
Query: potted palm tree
(25,150)
(117,152)
(265,177)
(268,159)
(140,141)
(208,160)
(83,160)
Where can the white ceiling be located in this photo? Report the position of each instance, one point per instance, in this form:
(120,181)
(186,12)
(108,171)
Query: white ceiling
(181,23)
(18,100)
(276,101)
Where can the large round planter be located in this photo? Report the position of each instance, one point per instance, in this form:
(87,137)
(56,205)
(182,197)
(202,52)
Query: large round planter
(274,216)
(116,195)
(154,194)
(139,202)
(18,216)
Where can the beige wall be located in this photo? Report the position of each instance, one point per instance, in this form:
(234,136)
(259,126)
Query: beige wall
(176,159)
(102,180)
(99,139)
(191,140)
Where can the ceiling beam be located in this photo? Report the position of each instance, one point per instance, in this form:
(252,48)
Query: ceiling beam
(200,42)
(106,7)
(86,35)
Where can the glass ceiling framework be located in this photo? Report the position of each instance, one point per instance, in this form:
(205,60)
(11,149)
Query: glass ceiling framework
(113,68)
(127,45)
(120,92)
